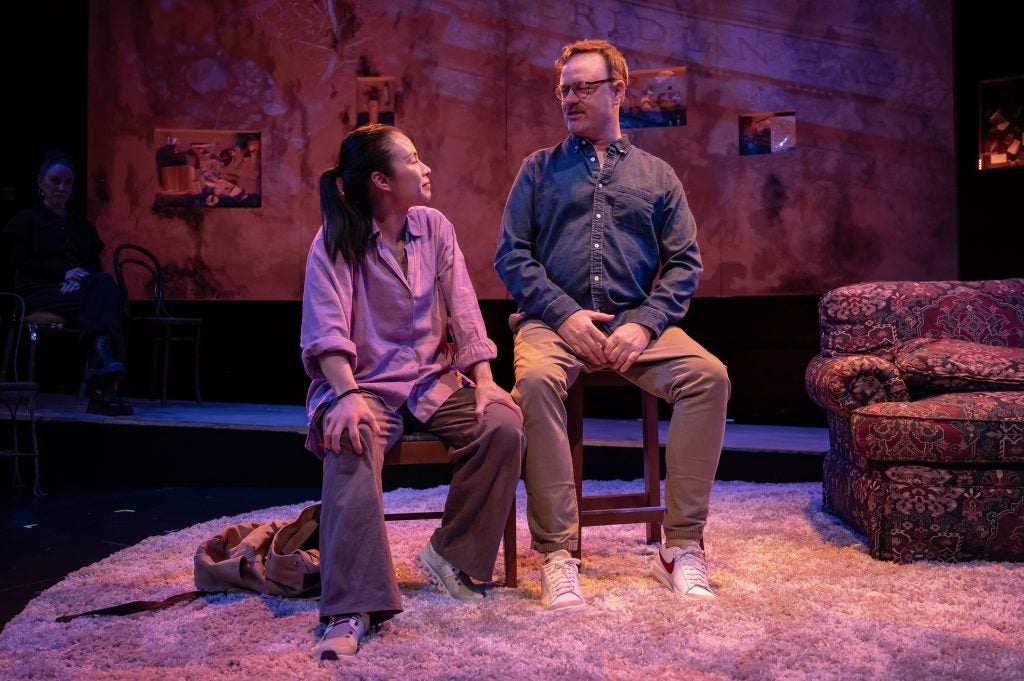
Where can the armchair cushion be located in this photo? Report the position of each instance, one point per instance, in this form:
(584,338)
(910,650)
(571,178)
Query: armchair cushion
(951,428)
(930,365)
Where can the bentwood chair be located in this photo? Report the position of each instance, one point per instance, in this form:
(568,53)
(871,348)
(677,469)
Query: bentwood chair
(41,324)
(14,393)
(160,328)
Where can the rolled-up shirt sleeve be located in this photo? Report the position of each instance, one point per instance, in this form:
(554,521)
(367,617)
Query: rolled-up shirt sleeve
(326,309)
(525,277)
(465,321)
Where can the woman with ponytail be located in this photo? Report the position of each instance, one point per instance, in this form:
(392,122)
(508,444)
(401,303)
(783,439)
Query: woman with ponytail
(393,340)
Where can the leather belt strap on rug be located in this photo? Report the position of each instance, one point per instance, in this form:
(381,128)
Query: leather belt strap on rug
(138,606)
(280,558)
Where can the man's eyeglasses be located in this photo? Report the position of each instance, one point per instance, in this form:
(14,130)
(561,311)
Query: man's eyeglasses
(581,89)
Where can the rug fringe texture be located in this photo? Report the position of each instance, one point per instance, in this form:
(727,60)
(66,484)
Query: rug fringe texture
(799,598)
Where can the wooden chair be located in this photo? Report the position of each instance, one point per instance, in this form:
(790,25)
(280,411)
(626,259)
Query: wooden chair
(617,509)
(424,448)
(160,328)
(15,393)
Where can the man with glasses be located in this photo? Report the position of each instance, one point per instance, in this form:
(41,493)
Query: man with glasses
(598,249)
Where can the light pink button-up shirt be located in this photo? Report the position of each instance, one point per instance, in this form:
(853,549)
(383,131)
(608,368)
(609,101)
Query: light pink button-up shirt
(394,328)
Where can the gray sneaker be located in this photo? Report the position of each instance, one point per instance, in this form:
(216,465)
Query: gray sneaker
(342,636)
(560,583)
(446,577)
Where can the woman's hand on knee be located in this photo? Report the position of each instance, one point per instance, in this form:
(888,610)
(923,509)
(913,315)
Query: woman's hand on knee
(488,392)
(345,417)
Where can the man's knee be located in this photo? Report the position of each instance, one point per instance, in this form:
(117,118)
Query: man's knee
(717,375)
(707,376)
(540,379)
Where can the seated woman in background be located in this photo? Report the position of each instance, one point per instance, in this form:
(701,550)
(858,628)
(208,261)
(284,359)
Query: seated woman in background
(385,285)
(56,261)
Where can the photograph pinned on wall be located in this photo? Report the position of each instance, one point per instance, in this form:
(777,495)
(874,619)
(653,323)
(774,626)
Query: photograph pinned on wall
(207,168)
(376,100)
(1001,129)
(771,132)
(655,98)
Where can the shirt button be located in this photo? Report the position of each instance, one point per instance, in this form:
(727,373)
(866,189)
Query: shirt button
(600,185)
(597,278)
(593,158)
(597,245)
(599,216)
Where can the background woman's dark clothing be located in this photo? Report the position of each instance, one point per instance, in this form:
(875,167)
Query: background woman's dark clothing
(42,247)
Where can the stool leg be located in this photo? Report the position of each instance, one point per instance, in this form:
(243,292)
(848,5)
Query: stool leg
(652,463)
(511,575)
(15,447)
(574,430)
(195,377)
(37,490)
(154,365)
(166,367)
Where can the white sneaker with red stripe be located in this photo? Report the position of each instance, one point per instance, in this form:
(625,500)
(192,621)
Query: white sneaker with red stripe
(683,571)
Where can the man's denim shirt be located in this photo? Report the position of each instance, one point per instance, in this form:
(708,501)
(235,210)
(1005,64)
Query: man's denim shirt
(579,236)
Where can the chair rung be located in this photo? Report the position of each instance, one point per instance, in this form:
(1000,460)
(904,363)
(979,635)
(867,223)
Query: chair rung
(426,515)
(15,452)
(624,516)
(599,502)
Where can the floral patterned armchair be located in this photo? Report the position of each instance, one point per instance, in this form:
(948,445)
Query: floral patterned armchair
(923,383)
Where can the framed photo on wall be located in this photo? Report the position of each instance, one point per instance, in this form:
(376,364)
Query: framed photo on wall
(1001,125)
(768,132)
(655,98)
(207,168)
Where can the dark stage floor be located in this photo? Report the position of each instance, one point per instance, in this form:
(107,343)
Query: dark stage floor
(111,482)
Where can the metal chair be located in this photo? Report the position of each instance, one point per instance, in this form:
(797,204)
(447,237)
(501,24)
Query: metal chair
(426,448)
(15,393)
(160,328)
(616,509)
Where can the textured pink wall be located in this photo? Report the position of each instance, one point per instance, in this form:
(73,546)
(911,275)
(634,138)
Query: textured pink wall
(869,193)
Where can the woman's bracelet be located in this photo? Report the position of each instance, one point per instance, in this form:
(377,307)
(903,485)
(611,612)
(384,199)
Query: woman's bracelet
(345,394)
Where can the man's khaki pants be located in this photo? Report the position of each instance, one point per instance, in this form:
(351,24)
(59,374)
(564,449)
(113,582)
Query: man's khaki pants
(675,368)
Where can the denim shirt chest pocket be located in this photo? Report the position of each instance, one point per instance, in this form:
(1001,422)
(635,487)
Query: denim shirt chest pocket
(633,210)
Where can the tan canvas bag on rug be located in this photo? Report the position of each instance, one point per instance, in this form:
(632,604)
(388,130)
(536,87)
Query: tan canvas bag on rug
(280,558)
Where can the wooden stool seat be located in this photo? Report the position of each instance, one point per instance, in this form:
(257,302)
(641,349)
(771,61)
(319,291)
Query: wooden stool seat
(617,509)
(44,317)
(424,448)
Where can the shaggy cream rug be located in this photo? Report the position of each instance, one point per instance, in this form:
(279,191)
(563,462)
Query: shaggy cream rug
(798,599)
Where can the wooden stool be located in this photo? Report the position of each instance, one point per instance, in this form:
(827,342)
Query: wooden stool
(427,448)
(616,509)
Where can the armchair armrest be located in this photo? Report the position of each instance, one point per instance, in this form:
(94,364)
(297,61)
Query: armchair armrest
(842,383)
